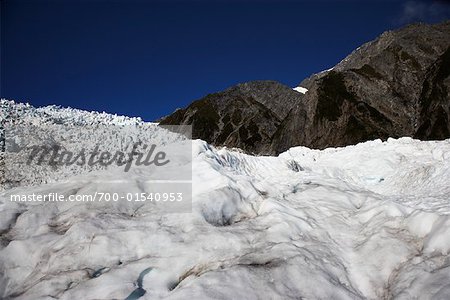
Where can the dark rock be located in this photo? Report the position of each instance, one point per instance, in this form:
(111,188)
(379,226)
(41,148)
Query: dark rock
(244,116)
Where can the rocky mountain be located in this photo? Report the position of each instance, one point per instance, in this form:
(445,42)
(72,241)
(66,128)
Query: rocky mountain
(245,116)
(394,86)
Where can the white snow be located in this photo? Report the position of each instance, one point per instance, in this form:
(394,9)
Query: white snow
(326,70)
(300,89)
(368,221)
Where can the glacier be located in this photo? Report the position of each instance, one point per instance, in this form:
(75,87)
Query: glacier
(367,221)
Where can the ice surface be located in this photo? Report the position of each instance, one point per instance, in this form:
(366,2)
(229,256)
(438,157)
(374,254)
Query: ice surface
(368,221)
(75,130)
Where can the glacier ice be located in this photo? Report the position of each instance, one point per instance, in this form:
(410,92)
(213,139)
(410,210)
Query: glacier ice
(367,221)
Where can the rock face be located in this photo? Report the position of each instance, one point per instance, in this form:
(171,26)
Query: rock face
(245,116)
(397,85)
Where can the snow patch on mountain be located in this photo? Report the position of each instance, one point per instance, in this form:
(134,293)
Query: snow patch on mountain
(300,89)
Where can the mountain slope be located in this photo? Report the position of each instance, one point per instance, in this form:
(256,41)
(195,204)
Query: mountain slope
(244,116)
(376,92)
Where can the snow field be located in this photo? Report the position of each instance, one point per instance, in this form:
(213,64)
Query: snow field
(368,221)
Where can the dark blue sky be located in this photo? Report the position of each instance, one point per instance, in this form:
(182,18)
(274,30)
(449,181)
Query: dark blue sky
(146,58)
